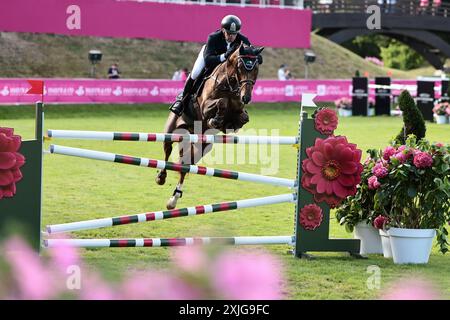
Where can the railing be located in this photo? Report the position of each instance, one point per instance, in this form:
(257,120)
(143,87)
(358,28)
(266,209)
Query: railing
(293,4)
(394,7)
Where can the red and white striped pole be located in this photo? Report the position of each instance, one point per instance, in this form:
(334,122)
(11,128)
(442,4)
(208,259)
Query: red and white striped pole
(170,137)
(174,213)
(170,242)
(159,164)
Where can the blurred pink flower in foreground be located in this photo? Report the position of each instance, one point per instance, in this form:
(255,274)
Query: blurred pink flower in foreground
(33,279)
(193,274)
(190,259)
(412,289)
(247,276)
(158,286)
(94,288)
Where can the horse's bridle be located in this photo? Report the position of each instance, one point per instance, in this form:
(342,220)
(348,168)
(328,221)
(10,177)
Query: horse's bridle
(240,83)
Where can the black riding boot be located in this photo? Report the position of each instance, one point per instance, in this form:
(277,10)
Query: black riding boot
(178,106)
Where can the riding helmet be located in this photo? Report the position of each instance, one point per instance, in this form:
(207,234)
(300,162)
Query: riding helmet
(231,24)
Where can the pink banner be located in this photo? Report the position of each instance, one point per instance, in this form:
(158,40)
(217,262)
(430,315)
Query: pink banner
(273,27)
(86,91)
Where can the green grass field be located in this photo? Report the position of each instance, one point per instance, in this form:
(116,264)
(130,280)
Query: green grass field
(78,189)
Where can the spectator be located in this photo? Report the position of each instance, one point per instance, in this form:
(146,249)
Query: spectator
(184,74)
(282,72)
(436,5)
(113,71)
(424,6)
(180,75)
(176,75)
(288,74)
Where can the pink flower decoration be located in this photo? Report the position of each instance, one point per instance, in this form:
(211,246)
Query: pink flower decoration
(326,121)
(10,162)
(389,152)
(423,160)
(311,217)
(439,144)
(247,276)
(380,222)
(373,183)
(380,170)
(332,170)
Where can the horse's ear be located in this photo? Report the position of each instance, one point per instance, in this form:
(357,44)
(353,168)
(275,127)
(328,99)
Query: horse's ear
(259,50)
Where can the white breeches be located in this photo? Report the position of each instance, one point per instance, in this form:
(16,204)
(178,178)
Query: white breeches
(199,65)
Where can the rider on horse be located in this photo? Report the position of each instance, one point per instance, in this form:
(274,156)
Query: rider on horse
(221,44)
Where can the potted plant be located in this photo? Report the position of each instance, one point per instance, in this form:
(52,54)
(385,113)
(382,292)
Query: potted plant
(344,106)
(413,194)
(441,112)
(357,212)
(380,223)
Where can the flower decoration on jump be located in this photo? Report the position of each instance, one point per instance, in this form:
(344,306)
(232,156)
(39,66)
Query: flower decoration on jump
(325,121)
(10,162)
(332,170)
(311,217)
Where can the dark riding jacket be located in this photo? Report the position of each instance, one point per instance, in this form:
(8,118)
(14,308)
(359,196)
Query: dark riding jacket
(216,46)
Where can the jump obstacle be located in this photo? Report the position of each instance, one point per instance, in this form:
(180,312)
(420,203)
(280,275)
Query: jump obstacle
(303,240)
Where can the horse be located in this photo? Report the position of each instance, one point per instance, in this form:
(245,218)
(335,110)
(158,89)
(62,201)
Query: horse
(219,105)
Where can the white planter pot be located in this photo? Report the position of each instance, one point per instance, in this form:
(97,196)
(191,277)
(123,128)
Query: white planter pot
(345,112)
(370,239)
(386,244)
(440,119)
(411,245)
(370,112)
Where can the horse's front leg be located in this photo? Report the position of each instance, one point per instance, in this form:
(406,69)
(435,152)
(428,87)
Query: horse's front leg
(218,120)
(170,126)
(186,155)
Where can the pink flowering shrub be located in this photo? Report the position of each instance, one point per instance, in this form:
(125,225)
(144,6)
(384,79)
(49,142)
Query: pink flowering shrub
(408,184)
(415,192)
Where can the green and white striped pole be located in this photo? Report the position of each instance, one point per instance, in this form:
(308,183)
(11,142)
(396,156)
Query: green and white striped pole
(169,242)
(174,213)
(170,137)
(159,164)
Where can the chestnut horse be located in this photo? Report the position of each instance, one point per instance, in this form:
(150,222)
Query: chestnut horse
(219,107)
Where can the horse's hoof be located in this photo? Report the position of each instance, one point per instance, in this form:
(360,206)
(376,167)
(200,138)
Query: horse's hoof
(161,178)
(172,203)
